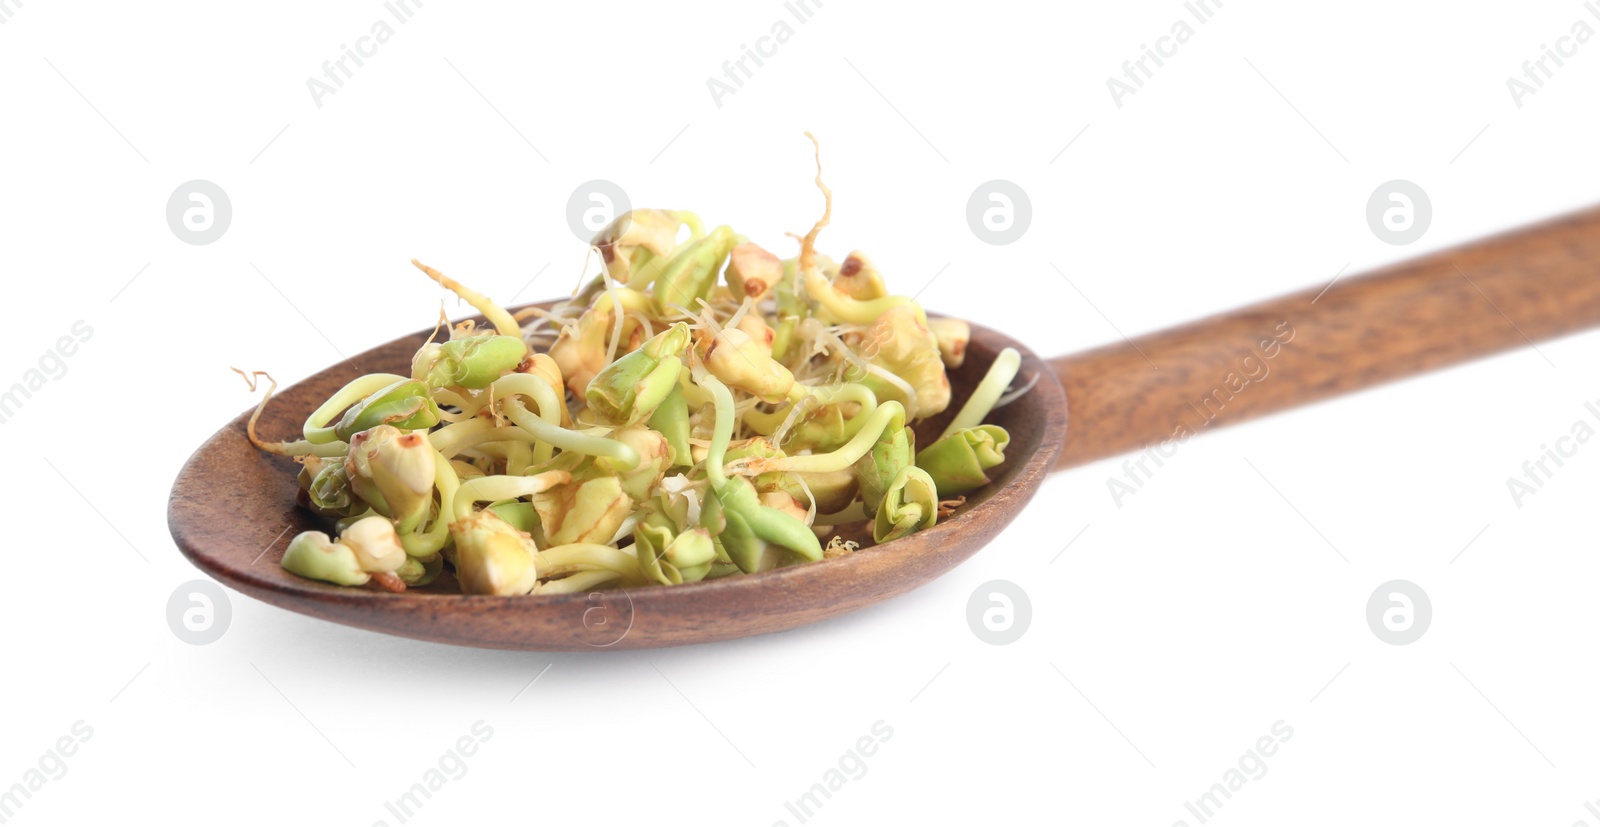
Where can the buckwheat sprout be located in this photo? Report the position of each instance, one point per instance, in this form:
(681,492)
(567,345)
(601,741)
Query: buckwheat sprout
(983,397)
(777,424)
(578,582)
(297,448)
(808,243)
(317,431)
(840,458)
(853,311)
(526,384)
(722,430)
(302,448)
(503,322)
(526,426)
(764,423)
(626,458)
(502,487)
(693,270)
(544,399)
(848,392)
(452,440)
(431,541)
(581,557)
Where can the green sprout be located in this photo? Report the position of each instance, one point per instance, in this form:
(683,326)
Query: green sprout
(911,504)
(631,388)
(492,557)
(743,527)
(960,462)
(375,543)
(329,490)
(890,454)
(315,556)
(988,392)
(317,429)
(692,272)
(671,559)
(634,246)
(474,362)
(503,322)
(405,404)
(393,471)
(420,571)
(742,362)
(671,420)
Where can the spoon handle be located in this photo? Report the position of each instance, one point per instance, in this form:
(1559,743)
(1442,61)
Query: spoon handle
(1506,291)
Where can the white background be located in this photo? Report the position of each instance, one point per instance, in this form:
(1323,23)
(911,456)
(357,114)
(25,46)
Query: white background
(1172,634)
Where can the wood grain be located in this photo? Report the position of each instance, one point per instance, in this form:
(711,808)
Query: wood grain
(1504,292)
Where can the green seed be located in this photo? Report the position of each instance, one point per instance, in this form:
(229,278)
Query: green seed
(910,505)
(314,555)
(630,389)
(406,405)
(959,462)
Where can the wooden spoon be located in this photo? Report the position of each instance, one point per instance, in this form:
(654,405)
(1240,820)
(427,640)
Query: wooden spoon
(232,508)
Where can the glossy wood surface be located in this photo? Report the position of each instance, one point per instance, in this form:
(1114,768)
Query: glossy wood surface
(1509,291)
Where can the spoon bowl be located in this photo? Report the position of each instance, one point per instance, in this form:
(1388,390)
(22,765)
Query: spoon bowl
(232,513)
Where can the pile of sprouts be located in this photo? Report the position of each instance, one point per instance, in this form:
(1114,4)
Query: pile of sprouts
(700,409)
